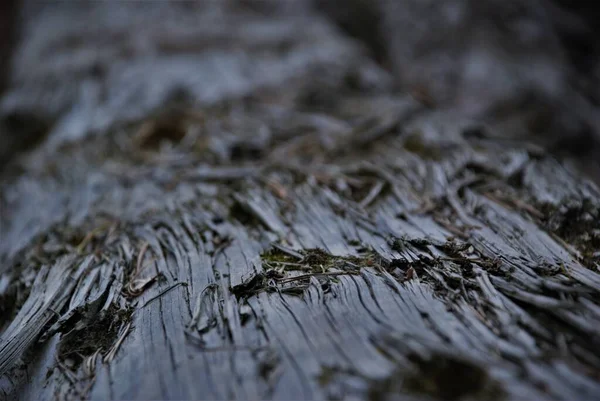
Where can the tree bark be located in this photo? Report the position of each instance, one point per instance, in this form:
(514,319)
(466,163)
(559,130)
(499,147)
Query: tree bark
(234,201)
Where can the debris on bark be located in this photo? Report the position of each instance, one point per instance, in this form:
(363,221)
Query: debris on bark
(229,202)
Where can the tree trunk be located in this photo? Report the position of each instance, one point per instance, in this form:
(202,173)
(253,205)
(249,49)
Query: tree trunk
(231,201)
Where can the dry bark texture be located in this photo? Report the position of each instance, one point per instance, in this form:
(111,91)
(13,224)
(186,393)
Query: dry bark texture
(230,203)
(530,69)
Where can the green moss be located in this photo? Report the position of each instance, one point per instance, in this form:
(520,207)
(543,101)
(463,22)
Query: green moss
(275,256)
(290,272)
(315,259)
(354,242)
(318,257)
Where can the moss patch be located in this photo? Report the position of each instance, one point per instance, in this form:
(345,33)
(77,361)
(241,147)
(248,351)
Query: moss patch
(314,260)
(577,223)
(100,333)
(291,272)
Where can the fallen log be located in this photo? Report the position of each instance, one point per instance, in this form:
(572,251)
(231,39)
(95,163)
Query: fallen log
(227,204)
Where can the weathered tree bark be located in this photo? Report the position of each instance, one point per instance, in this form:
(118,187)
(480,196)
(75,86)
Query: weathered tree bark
(231,200)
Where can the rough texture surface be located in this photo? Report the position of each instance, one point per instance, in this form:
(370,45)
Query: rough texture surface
(530,69)
(227,204)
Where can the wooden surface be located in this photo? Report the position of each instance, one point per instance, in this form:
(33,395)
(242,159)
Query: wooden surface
(231,205)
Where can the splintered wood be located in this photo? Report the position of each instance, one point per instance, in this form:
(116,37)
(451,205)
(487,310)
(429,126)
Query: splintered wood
(311,236)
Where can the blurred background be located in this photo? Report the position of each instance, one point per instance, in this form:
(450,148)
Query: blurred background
(528,69)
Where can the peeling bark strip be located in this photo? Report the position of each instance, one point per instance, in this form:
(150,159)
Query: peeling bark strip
(285,227)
